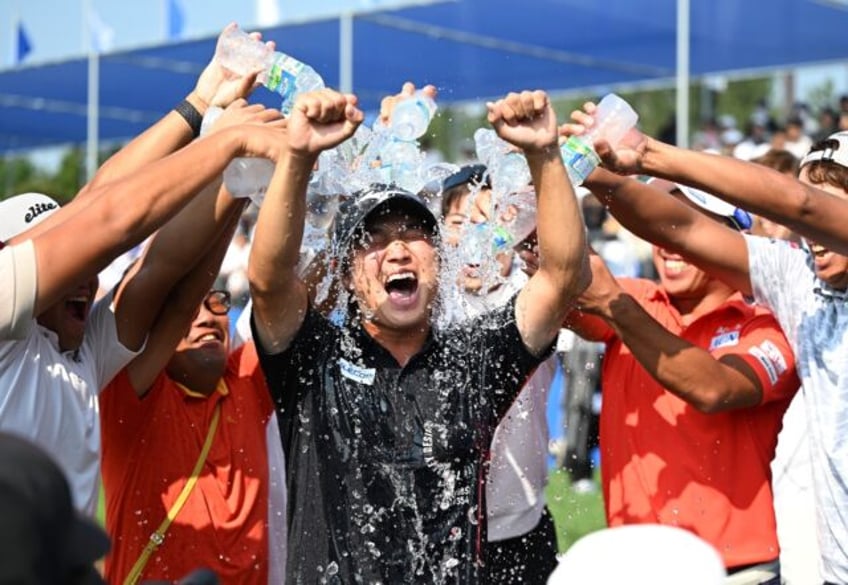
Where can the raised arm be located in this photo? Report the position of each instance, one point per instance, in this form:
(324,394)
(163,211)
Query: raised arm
(661,219)
(527,120)
(809,211)
(122,213)
(178,246)
(319,120)
(215,87)
(690,372)
(177,312)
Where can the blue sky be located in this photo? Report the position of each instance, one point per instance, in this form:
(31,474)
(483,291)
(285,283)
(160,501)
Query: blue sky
(54,27)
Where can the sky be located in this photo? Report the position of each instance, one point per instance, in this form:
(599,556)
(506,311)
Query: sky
(55,27)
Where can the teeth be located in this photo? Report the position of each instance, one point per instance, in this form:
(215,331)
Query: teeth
(400,276)
(675,264)
(209,337)
(79,299)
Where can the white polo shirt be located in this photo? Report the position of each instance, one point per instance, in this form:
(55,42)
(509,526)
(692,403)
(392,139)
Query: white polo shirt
(814,318)
(50,397)
(17,293)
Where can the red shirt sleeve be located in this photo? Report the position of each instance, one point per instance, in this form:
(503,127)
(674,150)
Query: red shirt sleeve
(764,347)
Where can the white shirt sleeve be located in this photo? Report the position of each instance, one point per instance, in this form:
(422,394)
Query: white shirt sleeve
(18,276)
(781,279)
(101,335)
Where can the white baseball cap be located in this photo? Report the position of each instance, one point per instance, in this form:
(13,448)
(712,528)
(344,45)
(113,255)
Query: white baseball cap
(640,553)
(708,202)
(21,212)
(839,155)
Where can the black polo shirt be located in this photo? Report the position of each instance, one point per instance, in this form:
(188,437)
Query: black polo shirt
(386,465)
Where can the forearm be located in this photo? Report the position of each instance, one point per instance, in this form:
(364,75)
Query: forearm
(809,211)
(684,369)
(642,209)
(279,229)
(167,135)
(563,258)
(176,315)
(121,214)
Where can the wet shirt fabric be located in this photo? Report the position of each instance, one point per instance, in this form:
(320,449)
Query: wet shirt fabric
(665,462)
(815,319)
(385,463)
(150,446)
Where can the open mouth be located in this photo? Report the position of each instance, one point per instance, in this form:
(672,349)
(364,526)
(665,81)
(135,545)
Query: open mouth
(77,308)
(818,250)
(211,338)
(402,287)
(673,266)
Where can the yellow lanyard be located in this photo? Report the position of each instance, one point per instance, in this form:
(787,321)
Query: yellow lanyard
(158,537)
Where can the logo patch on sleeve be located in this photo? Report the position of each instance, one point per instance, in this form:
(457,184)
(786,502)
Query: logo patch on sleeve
(356,373)
(725,339)
(771,367)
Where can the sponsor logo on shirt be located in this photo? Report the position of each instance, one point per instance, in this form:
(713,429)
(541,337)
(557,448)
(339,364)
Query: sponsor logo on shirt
(356,373)
(770,357)
(724,339)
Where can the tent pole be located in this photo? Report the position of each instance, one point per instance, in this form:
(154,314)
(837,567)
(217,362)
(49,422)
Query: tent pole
(683,73)
(92,134)
(346,52)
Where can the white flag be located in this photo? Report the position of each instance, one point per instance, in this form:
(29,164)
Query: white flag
(102,35)
(267,12)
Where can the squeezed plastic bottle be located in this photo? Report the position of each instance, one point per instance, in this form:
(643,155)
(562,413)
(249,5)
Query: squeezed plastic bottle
(412,116)
(281,73)
(244,177)
(507,166)
(613,119)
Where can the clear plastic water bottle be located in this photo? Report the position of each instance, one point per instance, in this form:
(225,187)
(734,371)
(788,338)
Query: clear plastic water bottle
(508,167)
(281,73)
(613,119)
(244,177)
(411,116)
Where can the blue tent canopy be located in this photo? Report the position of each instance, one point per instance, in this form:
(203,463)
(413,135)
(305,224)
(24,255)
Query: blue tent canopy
(470,49)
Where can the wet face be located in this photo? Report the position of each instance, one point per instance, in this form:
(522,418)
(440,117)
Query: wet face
(830,267)
(393,272)
(68,316)
(205,346)
(474,209)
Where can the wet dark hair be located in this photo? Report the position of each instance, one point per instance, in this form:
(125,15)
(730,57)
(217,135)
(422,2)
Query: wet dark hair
(827,172)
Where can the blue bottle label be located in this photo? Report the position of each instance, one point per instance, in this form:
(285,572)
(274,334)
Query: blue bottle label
(282,76)
(579,159)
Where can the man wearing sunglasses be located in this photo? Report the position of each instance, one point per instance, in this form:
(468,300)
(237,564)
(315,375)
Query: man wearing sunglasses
(157,417)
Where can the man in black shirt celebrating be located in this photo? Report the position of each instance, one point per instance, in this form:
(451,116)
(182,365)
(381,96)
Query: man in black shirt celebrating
(385,421)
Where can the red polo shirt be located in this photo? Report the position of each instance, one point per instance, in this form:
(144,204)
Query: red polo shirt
(150,446)
(665,462)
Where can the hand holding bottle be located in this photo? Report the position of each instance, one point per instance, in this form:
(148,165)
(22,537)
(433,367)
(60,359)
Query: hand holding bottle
(594,135)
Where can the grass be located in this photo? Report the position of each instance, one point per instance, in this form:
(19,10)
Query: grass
(575,514)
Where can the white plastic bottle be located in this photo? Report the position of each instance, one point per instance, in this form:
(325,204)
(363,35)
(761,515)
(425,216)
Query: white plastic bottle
(412,116)
(613,119)
(281,73)
(507,166)
(244,177)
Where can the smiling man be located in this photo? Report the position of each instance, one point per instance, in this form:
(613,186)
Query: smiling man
(387,422)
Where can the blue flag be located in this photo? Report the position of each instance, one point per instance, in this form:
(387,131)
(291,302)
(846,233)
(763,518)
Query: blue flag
(176,19)
(22,47)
